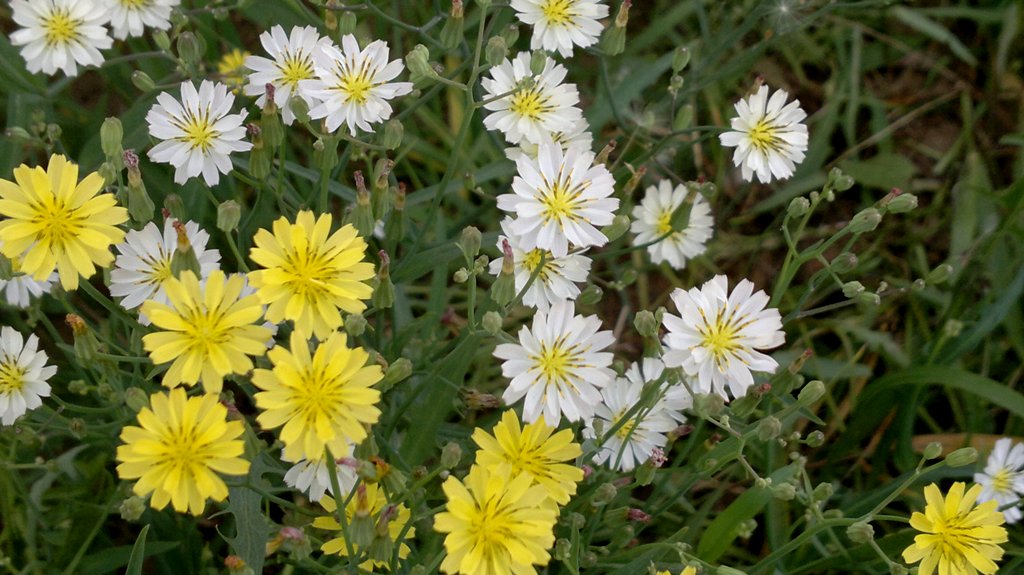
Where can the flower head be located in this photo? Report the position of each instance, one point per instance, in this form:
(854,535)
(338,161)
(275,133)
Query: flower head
(290,62)
(206,328)
(561,24)
(557,278)
(578,136)
(143,264)
(55,221)
(536,450)
(497,523)
(20,289)
(311,274)
(60,34)
(369,502)
(198,134)
(353,86)
(653,219)
(716,336)
(536,107)
(180,446)
(312,477)
(231,69)
(1003,478)
(639,433)
(957,536)
(23,374)
(131,17)
(769,136)
(323,399)
(559,199)
(557,365)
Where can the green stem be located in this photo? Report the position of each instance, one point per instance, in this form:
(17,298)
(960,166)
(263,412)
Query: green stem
(341,503)
(92,534)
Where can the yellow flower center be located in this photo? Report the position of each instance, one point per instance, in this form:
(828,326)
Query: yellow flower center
(556,362)
(308,274)
(134,4)
(198,131)
(295,68)
(60,27)
(762,136)
(355,85)
(556,12)
(206,329)
(533,258)
(12,376)
(720,337)
(561,202)
(58,223)
(628,427)
(1002,481)
(529,104)
(664,223)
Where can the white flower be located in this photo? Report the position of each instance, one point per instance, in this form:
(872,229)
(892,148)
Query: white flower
(60,34)
(578,136)
(559,198)
(1003,478)
(353,86)
(131,17)
(644,430)
(198,133)
(20,289)
(558,365)
(143,264)
(313,478)
(290,62)
(652,219)
(769,138)
(533,113)
(716,335)
(558,24)
(23,375)
(555,281)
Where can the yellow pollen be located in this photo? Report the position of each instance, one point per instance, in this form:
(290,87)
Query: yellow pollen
(58,223)
(561,202)
(356,86)
(12,377)
(720,338)
(762,136)
(627,428)
(532,259)
(159,272)
(556,12)
(664,223)
(199,132)
(530,104)
(60,27)
(294,69)
(555,362)
(1002,481)
(206,329)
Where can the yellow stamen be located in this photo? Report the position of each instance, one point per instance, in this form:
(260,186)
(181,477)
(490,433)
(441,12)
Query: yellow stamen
(530,104)
(60,27)
(355,85)
(762,136)
(561,202)
(12,377)
(199,132)
(295,68)
(556,12)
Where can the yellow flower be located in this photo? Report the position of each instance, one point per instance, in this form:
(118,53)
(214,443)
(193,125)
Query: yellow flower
(532,450)
(309,276)
(208,330)
(321,399)
(957,537)
(232,69)
(55,221)
(370,503)
(496,524)
(182,444)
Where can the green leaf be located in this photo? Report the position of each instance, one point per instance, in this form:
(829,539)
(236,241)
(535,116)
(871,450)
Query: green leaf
(936,31)
(138,554)
(992,391)
(884,171)
(988,320)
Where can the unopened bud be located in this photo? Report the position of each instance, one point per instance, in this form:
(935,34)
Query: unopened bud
(811,393)
(229,213)
(452,32)
(398,371)
(451,455)
(932,451)
(853,289)
(590,295)
(903,202)
(646,324)
(142,81)
(614,40)
(815,439)
(684,117)
(940,274)
(162,40)
(469,243)
(861,532)
(510,34)
(822,492)
(174,206)
(132,508)
(839,181)
(497,50)
(603,495)
(680,59)
(845,262)
(783,491)
(961,457)
(355,325)
(620,225)
(865,221)
(418,62)
(347,22)
(798,207)
(383,288)
(394,131)
(769,428)
(189,50)
(135,398)
(491,322)
(111,136)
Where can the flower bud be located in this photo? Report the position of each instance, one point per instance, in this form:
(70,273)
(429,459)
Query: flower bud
(229,213)
(132,508)
(496,51)
(190,51)
(845,262)
(394,131)
(811,393)
(861,532)
(394,228)
(347,23)
(684,117)
(590,295)
(418,62)
(783,491)
(646,324)
(839,181)
(460,276)
(902,203)
(111,136)
(452,32)
(619,226)
(398,371)
(383,288)
(142,81)
(451,454)
(174,206)
(510,34)
(798,207)
(769,428)
(503,290)
(815,439)
(614,40)
(865,221)
(362,215)
(822,492)
(603,495)
(491,322)
(606,151)
(135,398)
(108,172)
(680,59)
(184,257)
(708,405)
(563,550)
(161,39)
(940,274)
(355,325)
(932,451)
(961,457)
(86,345)
(469,243)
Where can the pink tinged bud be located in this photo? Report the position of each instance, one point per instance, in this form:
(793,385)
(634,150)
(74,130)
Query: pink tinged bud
(637,515)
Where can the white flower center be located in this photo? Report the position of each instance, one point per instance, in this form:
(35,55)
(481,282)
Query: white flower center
(556,362)
(60,27)
(721,337)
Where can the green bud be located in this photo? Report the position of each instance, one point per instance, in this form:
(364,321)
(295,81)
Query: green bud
(811,393)
(822,492)
(140,205)
(469,243)
(769,428)
(162,40)
(816,439)
(869,298)
(962,457)
(79,387)
(563,550)
(460,276)
(347,23)
(86,345)
(798,207)
(614,40)
(497,50)
(510,34)
(897,569)
(418,62)
(229,213)
(108,172)
(397,372)
(184,257)
(452,32)
(538,61)
(844,263)
(603,495)
(190,51)
(362,215)
(18,134)
(451,455)
(590,295)
(132,508)
(853,289)
(902,203)
(142,81)
(491,322)
(619,226)
(783,491)
(940,274)
(174,205)
(861,532)
(646,324)
(644,473)
(932,451)
(382,547)
(6,269)
(708,405)
(952,328)
(865,221)
(839,181)
(111,135)
(325,153)
(680,59)
(355,325)
(588,559)
(77,427)
(394,131)
(684,117)
(135,398)
(383,288)
(360,528)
